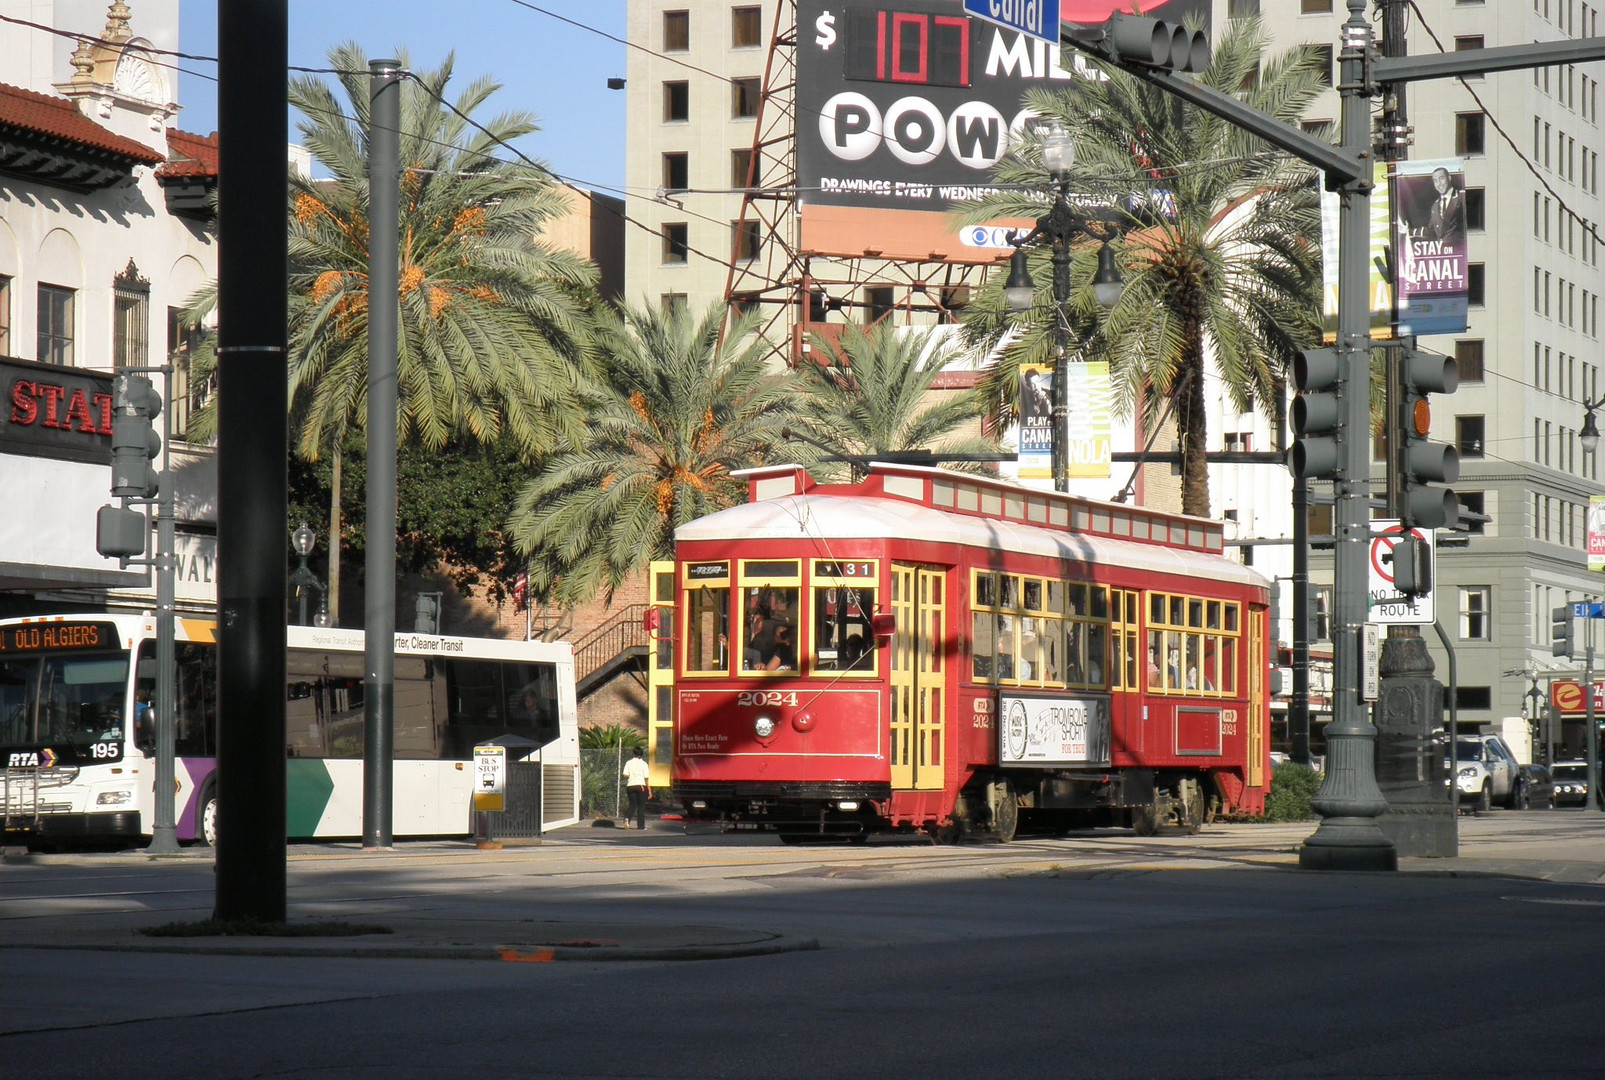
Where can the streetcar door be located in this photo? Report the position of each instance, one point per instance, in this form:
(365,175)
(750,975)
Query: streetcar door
(1256,699)
(918,677)
(660,676)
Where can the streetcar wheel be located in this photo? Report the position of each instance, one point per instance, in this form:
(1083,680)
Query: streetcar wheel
(1005,813)
(1144,820)
(206,820)
(1190,814)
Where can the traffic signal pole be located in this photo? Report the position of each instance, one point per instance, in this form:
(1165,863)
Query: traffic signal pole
(1349,801)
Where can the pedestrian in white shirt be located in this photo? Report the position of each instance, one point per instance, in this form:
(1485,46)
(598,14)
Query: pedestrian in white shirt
(636,774)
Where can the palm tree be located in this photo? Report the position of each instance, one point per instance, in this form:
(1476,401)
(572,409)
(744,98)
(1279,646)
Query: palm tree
(678,410)
(870,392)
(494,323)
(1227,271)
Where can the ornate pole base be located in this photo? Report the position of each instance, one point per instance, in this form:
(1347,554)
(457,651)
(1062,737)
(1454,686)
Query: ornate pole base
(1349,803)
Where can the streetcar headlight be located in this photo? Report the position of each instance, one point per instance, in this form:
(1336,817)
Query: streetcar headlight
(763,727)
(847,804)
(114,798)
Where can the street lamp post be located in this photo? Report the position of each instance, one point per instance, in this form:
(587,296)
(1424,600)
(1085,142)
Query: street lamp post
(1060,226)
(302,539)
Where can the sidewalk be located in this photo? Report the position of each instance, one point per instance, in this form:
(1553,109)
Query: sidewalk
(452,900)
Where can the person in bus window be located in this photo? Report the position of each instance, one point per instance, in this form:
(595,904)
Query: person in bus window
(1153,666)
(144,720)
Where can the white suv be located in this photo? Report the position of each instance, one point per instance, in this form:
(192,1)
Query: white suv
(1486,771)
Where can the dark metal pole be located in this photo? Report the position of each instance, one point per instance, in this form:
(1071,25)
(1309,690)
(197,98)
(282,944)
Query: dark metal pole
(252,454)
(1298,706)
(164,837)
(379,637)
(1350,802)
(1061,351)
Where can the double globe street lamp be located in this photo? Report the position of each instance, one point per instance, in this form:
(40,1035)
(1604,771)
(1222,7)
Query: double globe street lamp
(303,539)
(1060,226)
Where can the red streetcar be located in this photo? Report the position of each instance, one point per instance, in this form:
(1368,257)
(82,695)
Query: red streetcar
(929,650)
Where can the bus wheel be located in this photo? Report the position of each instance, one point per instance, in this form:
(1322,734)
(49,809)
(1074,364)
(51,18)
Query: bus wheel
(206,819)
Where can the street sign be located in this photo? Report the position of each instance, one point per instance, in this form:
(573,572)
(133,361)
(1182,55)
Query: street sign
(490,778)
(1034,18)
(1585,610)
(1389,606)
(1370,662)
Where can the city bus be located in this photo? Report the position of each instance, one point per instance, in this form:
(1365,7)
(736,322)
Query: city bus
(78,746)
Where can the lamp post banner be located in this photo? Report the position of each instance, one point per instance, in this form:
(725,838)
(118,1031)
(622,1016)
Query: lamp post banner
(1379,292)
(1430,197)
(1087,450)
(904,107)
(1036,422)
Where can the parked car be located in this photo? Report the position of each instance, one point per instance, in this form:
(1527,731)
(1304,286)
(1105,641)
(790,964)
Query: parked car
(1486,772)
(1537,789)
(1571,783)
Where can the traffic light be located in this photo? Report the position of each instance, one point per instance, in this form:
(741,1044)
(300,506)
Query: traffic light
(1317,415)
(1412,566)
(120,532)
(1147,42)
(134,442)
(1418,462)
(1560,632)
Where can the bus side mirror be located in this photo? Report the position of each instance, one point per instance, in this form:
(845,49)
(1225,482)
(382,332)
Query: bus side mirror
(885,625)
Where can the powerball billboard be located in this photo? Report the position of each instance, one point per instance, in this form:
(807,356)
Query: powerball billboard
(904,107)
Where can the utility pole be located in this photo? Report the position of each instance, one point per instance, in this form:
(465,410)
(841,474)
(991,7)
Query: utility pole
(379,629)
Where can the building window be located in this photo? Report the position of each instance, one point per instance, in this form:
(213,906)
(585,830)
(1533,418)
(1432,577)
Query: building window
(5,315)
(1473,518)
(741,169)
(55,325)
(746,27)
(1474,698)
(676,101)
(878,301)
(189,395)
(1242,9)
(676,31)
(130,325)
(676,172)
(1324,56)
(1476,208)
(672,303)
(1469,436)
(1321,614)
(1468,355)
(1314,7)
(744,94)
(1466,43)
(1475,613)
(1469,133)
(676,242)
(1476,284)
(744,240)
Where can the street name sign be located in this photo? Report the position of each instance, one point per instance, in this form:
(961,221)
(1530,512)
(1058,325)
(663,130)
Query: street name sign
(1034,18)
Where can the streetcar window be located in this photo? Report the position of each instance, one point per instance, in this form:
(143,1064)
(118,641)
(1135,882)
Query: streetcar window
(986,590)
(983,644)
(707,628)
(769,633)
(1033,594)
(843,631)
(1009,591)
(1056,597)
(1192,643)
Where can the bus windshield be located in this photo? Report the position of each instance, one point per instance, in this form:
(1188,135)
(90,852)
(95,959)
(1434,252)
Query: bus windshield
(62,700)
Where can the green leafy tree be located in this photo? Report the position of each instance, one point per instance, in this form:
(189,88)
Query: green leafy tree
(870,392)
(1221,258)
(495,324)
(678,411)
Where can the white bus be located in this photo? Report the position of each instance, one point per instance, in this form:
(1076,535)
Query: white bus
(78,745)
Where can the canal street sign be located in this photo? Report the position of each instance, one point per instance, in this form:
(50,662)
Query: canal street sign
(1034,18)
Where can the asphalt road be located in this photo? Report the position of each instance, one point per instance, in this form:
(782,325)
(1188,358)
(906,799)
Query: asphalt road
(1096,956)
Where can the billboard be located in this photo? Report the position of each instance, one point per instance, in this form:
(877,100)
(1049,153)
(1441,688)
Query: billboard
(904,107)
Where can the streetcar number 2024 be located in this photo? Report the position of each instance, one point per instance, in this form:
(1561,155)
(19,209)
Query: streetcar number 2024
(756,698)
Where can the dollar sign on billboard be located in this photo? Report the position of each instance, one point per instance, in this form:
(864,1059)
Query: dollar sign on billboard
(826,26)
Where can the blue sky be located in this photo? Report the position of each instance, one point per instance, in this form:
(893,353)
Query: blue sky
(549,67)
